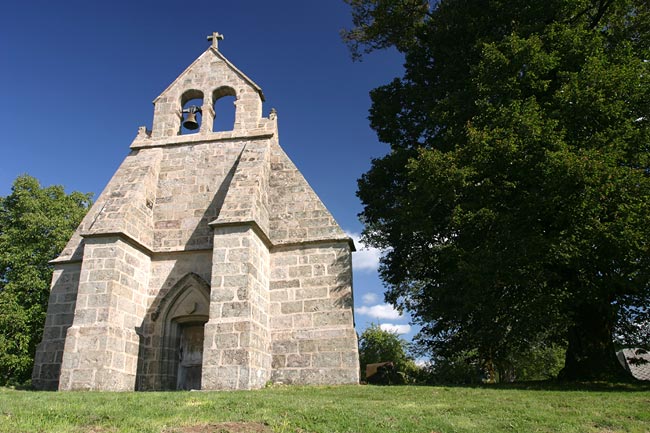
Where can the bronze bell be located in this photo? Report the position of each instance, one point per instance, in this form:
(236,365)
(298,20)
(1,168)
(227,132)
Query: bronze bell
(190,121)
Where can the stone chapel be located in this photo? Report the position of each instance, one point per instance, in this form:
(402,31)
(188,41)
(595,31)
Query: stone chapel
(208,262)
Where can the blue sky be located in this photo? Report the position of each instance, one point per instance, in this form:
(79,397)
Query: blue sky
(77,78)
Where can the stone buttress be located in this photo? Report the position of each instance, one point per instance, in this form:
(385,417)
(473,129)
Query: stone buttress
(208,262)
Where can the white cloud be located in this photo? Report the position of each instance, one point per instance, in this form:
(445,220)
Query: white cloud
(370,298)
(398,329)
(380,311)
(365,258)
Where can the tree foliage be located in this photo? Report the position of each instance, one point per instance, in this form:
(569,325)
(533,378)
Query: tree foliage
(35,224)
(532,364)
(377,345)
(514,204)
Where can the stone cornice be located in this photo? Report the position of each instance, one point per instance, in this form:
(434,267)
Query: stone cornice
(215,224)
(316,242)
(252,224)
(122,236)
(282,245)
(65,260)
(180,140)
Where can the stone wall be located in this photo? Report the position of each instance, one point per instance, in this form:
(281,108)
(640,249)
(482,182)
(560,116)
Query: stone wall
(101,348)
(237,340)
(60,314)
(312,328)
(192,186)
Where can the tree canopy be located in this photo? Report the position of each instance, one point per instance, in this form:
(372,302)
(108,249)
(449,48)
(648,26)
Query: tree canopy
(514,204)
(377,345)
(35,224)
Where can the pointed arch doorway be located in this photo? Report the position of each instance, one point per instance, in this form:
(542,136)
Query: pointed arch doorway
(182,348)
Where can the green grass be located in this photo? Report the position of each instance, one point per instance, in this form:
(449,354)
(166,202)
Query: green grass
(538,408)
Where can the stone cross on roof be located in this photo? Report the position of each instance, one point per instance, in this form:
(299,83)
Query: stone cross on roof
(215,37)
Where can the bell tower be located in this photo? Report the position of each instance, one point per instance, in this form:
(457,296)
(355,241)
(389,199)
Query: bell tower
(207,262)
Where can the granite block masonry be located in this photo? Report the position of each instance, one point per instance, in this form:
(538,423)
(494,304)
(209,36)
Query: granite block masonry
(208,262)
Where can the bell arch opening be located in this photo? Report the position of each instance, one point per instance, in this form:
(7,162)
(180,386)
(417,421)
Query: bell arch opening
(225,109)
(181,353)
(191,112)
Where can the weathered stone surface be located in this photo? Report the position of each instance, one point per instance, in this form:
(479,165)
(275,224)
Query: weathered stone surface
(207,252)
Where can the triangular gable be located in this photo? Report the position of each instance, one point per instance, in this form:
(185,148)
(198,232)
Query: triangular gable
(200,59)
(296,213)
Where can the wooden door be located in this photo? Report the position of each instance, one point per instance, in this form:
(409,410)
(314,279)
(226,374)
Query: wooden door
(190,357)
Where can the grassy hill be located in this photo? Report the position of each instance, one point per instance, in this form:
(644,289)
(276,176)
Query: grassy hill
(533,408)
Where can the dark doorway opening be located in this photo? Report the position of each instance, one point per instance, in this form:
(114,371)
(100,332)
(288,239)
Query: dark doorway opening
(190,356)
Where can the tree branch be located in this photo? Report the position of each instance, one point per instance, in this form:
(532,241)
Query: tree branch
(603,6)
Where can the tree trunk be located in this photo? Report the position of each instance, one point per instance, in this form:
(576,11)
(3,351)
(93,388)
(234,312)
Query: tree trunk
(591,353)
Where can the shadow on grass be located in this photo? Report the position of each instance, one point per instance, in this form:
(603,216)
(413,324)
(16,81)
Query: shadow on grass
(22,387)
(545,385)
(555,385)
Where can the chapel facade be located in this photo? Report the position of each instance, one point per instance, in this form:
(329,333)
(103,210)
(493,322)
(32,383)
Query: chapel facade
(208,262)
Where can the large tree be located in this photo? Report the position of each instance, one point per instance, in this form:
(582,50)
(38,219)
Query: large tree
(514,204)
(35,224)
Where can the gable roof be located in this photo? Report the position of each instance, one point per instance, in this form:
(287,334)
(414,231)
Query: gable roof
(269,190)
(296,213)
